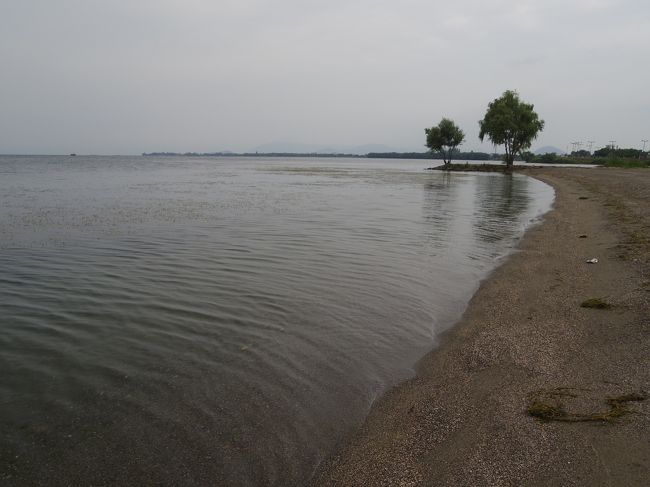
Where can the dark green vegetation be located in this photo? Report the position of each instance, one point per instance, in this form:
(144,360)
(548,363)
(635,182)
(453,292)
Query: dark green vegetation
(628,163)
(595,303)
(444,138)
(620,153)
(549,405)
(606,157)
(512,123)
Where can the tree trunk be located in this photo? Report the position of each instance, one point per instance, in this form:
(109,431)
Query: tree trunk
(509,163)
(509,158)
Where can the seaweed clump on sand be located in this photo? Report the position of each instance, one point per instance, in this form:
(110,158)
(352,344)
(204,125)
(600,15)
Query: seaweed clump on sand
(550,405)
(595,303)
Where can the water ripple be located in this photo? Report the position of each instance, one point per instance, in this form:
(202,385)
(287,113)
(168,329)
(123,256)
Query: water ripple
(218,321)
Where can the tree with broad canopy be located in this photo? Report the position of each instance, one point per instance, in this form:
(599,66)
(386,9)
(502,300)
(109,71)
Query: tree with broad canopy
(512,123)
(444,138)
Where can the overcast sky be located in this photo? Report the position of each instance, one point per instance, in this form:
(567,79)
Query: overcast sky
(127,76)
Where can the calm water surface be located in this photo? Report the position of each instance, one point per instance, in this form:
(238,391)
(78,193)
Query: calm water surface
(198,321)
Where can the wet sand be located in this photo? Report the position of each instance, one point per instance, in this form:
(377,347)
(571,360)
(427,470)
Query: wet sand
(464,421)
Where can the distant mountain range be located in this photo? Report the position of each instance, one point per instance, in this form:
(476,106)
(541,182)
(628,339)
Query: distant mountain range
(290,147)
(548,149)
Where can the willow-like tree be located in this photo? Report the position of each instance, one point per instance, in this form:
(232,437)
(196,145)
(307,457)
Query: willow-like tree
(512,123)
(444,138)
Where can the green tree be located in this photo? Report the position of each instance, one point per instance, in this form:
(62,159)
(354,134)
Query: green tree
(512,123)
(528,156)
(604,152)
(548,158)
(444,138)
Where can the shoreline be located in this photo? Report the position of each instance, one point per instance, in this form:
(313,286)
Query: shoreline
(464,420)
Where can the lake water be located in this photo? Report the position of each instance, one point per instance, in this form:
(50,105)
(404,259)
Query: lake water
(225,321)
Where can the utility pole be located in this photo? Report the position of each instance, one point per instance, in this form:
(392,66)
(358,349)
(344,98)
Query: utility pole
(611,144)
(643,150)
(590,145)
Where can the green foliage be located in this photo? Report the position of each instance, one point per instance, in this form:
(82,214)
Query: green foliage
(628,163)
(604,152)
(628,153)
(512,123)
(616,153)
(553,158)
(608,160)
(548,158)
(528,156)
(444,138)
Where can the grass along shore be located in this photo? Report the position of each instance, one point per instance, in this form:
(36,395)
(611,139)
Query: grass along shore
(531,388)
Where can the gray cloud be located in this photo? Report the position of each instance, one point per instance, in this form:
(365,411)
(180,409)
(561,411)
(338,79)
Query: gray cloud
(132,76)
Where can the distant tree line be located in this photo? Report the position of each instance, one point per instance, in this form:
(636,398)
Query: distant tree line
(606,156)
(455,154)
(610,152)
(250,154)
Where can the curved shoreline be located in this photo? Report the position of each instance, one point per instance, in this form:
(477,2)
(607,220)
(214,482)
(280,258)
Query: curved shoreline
(463,419)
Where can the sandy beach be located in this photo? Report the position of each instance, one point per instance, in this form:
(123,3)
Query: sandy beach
(525,341)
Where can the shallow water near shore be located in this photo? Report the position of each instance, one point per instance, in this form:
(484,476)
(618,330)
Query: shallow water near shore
(215,321)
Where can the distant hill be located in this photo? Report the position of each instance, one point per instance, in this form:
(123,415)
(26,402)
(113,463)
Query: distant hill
(290,147)
(549,149)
